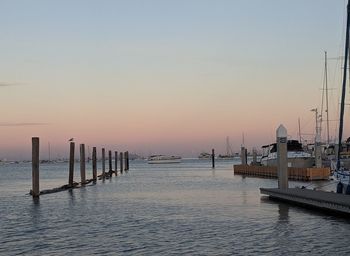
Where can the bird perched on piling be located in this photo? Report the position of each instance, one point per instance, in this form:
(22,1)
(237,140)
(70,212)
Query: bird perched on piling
(71,139)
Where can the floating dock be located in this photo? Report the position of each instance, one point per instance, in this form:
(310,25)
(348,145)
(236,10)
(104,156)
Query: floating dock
(326,201)
(304,174)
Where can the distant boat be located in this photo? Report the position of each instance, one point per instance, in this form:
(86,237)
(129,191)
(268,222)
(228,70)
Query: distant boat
(296,156)
(229,151)
(162,159)
(204,155)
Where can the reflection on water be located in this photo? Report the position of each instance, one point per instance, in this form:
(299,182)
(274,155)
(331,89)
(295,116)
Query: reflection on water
(283,210)
(185,209)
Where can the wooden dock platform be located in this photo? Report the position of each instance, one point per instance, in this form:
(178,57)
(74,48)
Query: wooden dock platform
(304,174)
(326,201)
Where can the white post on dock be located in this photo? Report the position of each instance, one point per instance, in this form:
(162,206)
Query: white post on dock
(254,157)
(35,167)
(282,162)
(243,155)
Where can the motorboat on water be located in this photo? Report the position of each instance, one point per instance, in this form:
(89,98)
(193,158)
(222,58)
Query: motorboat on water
(204,155)
(163,159)
(296,155)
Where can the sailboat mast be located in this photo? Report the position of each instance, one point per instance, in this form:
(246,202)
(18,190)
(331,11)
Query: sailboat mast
(326,83)
(342,102)
(299,130)
(49,152)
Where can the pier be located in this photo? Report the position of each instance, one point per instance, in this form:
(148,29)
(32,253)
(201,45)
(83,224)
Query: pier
(303,174)
(35,191)
(325,201)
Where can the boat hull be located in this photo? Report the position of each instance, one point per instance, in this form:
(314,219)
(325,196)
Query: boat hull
(292,162)
(175,161)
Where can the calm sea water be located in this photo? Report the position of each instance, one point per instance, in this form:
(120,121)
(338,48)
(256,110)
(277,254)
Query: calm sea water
(181,209)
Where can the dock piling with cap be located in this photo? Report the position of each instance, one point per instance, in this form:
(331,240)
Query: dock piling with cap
(35,192)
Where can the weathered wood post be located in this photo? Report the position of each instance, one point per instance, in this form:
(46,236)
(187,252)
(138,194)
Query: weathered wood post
(82,164)
(282,161)
(71,164)
(103,163)
(243,155)
(110,161)
(213,158)
(35,167)
(94,164)
(116,162)
(127,160)
(125,164)
(121,161)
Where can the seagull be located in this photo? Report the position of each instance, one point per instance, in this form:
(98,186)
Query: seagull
(71,139)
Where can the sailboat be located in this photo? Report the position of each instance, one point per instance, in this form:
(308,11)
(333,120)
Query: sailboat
(229,151)
(341,173)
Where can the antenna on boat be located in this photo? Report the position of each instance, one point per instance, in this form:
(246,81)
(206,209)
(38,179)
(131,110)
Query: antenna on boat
(49,152)
(299,130)
(342,102)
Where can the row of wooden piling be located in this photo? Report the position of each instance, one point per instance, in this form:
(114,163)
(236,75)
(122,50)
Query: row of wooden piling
(123,166)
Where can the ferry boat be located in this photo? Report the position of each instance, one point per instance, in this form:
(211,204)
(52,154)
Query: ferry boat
(162,159)
(296,156)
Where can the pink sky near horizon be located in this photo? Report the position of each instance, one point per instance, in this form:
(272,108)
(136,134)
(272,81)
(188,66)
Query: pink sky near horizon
(151,82)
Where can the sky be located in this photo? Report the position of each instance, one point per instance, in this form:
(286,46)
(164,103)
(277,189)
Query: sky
(165,76)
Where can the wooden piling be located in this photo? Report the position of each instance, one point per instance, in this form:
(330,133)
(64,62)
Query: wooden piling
(116,162)
(110,161)
(94,164)
(103,163)
(121,161)
(71,164)
(126,161)
(35,167)
(282,162)
(82,164)
(213,158)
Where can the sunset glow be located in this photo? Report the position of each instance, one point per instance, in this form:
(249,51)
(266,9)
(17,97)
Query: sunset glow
(171,77)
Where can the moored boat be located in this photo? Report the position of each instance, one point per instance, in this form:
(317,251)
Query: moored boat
(341,173)
(296,156)
(204,155)
(162,159)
